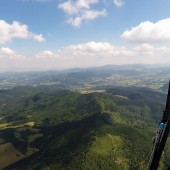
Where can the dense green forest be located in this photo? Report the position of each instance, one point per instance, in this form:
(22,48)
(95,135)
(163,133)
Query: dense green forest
(92,131)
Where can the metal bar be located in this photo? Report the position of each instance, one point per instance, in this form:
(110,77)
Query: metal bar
(162,138)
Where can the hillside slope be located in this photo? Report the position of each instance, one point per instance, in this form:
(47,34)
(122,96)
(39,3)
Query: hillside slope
(109,130)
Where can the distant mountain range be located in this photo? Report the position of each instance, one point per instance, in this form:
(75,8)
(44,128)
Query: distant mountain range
(150,76)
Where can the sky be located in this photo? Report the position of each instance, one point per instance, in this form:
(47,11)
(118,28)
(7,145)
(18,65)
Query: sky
(61,34)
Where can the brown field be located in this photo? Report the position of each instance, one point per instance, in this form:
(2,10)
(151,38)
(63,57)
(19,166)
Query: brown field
(91,91)
(7,125)
(4,125)
(29,124)
(123,97)
(9,155)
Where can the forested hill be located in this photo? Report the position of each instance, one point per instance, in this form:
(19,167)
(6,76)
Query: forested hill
(109,130)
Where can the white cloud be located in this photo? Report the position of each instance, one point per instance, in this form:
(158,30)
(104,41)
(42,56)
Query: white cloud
(118,3)
(84,55)
(144,47)
(149,32)
(101,53)
(45,54)
(74,7)
(152,50)
(8,53)
(16,30)
(81,11)
(86,16)
(69,8)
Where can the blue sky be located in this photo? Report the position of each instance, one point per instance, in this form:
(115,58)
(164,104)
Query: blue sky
(61,34)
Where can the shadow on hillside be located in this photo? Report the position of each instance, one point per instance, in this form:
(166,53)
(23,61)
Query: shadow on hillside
(61,143)
(20,143)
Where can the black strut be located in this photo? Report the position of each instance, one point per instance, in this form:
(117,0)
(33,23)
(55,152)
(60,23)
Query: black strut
(161,136)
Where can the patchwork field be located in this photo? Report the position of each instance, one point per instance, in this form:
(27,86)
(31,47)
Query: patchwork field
(9,153)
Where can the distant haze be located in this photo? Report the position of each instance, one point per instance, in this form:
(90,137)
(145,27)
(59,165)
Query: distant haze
(85,55)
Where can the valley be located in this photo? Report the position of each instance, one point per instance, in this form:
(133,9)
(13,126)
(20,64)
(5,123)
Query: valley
(150,76)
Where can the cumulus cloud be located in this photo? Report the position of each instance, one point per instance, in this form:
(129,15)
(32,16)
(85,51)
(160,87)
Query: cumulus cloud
(45,54)
(86,16)
(97,51)
(84,55)
(102,53)
(118,3)
(149,32)
(149,50)
(8,53)
(16,30)
(69,8)
(93,47)
(80,11)
(73,7)
(144,47)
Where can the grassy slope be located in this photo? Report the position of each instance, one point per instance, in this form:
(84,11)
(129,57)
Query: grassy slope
(89,144)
